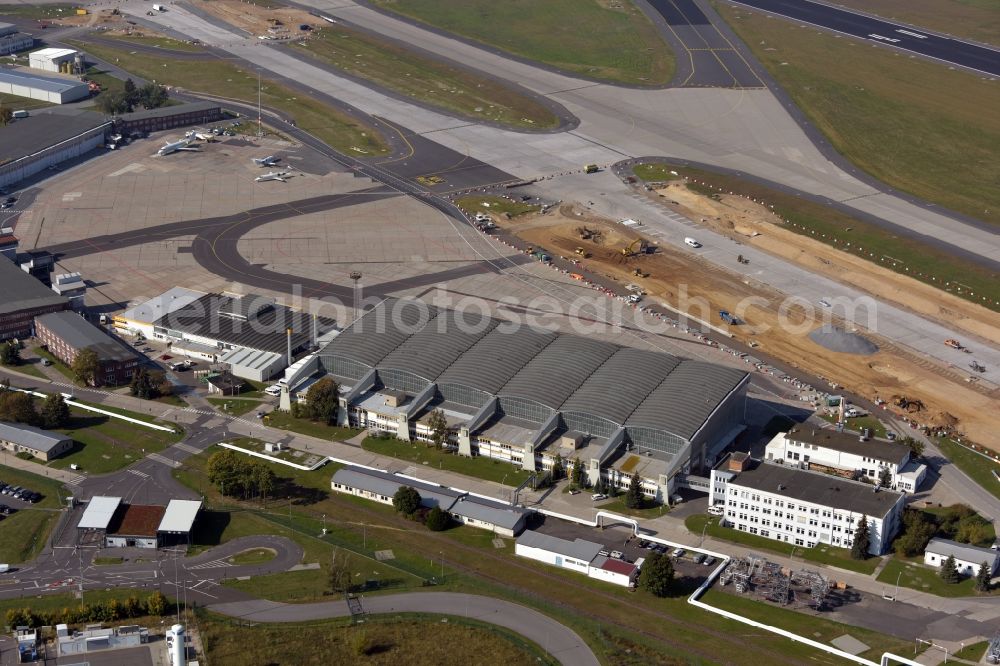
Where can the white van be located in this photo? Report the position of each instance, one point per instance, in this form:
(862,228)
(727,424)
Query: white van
(4,568)
(692,242)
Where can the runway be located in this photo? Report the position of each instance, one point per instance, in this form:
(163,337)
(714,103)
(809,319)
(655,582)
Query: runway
(897,35)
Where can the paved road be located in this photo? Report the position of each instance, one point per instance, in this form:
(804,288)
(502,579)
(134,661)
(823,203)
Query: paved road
(558,640)
(896,35)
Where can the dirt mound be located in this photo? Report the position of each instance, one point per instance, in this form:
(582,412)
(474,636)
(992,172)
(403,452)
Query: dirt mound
(839,340)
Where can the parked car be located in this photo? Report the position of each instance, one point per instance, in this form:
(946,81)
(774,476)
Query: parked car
(617,554)
(709,561)
(699,558)
(678,553)
(716,510)
(597,497)
(604,553)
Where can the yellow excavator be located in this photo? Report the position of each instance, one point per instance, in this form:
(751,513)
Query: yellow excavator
(638,244)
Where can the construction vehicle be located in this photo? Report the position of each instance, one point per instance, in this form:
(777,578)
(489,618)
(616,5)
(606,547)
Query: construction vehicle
(909,405)
(728,318)
(585,233)
(977,366)
(582,252)
(639,273)
(638,246)
(954,344)
(591,168)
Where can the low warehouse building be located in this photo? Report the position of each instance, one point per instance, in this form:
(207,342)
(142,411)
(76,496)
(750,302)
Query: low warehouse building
(12,41)
(139,319)
(52,59)
(46,138)
(52,89)
(41,444)
(66,334)
(96,518)
(114,524)
(178,522)
(579,555)
(254,364)
(24,298)
(134,526)
(468,509)
(968,558)
(169,117)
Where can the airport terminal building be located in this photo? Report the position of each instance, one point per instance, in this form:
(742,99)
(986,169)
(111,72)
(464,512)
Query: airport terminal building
(531,397)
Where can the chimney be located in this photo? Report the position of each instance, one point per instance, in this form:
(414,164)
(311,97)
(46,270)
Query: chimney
(289,332)
(315,329)
(738,462)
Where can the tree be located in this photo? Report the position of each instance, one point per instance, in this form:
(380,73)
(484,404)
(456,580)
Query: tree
(657,575)
(984,578)
(340,572)
(18,407)
(558,470)
(152,96)
(439,428)
(578,475)
(10,354)
(131,93)
(113,104)
(322,401)
(862,540)
(55,411)
(262,478)
(141,385)
(406,500)
(6,115)
(86,366)
(223,471)
(885,477)
(437,520)
(634,498)
(156,604)
(916,446)
(918,529)
(949,571)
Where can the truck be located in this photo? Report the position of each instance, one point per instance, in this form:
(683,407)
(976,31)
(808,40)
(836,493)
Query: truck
(159,8)
(725,316)
(591,168)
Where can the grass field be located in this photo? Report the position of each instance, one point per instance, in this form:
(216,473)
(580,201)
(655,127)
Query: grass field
(166,43)
(452,89)
(285,421)
(914,575)
(401,640)
(23,534)
(871,103)
(25,10)
(234,406)
(253,556)
(823,554)
(497,205)
(219,78)
(621,626)
(973,652)
(611,41)
(106,561)
(18,103)
(617,505)
(104,444)
(849,234)
(978,467)
(420,454)
(969,19)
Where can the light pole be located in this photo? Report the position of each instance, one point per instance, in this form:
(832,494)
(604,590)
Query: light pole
(703,531)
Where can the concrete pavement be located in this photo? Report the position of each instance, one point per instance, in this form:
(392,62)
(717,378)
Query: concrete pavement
(556,639)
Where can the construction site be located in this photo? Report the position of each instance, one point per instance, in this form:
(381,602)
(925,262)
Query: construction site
(943,399)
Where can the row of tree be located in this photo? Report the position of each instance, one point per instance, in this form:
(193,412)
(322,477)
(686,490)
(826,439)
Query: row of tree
(240,476)
(18,407)
(407,501)
(148,96)
(149,384)
(949,574)
(958,523)
(154,605)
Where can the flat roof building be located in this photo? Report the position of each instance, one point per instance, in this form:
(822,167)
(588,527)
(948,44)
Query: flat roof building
(134,526)
(22,299)
(66,334)
(579,555)
(140,319)
(121,525)
(42,444)
(51,59)
(12,41)
(468,509)
(169,117)
(513,392)
(52,89)
(46,138)
(99,513)
(968,558)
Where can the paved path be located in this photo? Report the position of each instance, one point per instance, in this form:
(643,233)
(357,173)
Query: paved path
(558,640)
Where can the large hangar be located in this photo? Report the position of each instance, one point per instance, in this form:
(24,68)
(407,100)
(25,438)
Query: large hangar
(45,88)
(531,397)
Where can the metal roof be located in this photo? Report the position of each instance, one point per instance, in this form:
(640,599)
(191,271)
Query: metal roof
(51,52)
(428,352)
(31,80)
(961,551)
(621,384)
(79,334)
(687,397)
(99,512)
(179,516)
(22,291)
(170,300)
(375,334)
(552,376)
(250,358)
(34,438)
(578,549)
(45,128)
(881,449)
(818,488)
(170,111)
(496,357)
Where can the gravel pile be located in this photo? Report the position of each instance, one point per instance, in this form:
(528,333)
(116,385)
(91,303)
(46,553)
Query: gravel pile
(839,340)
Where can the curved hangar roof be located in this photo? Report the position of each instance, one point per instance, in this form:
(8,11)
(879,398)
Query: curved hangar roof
(568,373)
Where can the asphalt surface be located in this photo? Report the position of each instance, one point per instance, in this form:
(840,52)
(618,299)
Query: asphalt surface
(896,35)
(556,639)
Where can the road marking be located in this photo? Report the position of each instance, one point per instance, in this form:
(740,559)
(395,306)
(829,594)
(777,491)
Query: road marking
(912,34)
(138,473)
(187,447)
(163,459)
(213,564)
(76,480)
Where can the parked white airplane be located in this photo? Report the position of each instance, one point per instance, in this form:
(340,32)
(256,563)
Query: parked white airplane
(183,144)
(268,161)
(272,175)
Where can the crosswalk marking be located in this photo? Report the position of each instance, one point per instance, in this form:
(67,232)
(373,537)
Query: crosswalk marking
(186,447)
(163,459)
(138,473)
(76,480)
(213,564)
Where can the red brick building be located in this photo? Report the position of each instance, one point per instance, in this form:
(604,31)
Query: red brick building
(22,298)
(66,334)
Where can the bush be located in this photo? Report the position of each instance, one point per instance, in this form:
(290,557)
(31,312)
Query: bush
(437,520)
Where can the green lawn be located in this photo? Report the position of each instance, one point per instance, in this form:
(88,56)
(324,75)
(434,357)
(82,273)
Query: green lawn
(821,554)
(29,367)
(618,506)
(871,102)
(453,89)
(285,421)
(18,103)
(421,454)
(58,365)
(828,225)
(166,43)
(402,640)
(24,10)
(973,652)
(234,406)
(806,624)
(220,78)
(23,534)
(654,172)
(978,467)
(253,556)
(105,444)
(857,424)
(969,19)
(600,40)
(914,575)
(496,205)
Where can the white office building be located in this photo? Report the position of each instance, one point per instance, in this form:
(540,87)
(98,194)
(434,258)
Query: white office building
(846,454)
(803,508)
(582,556)
(52,59)
(968,558)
